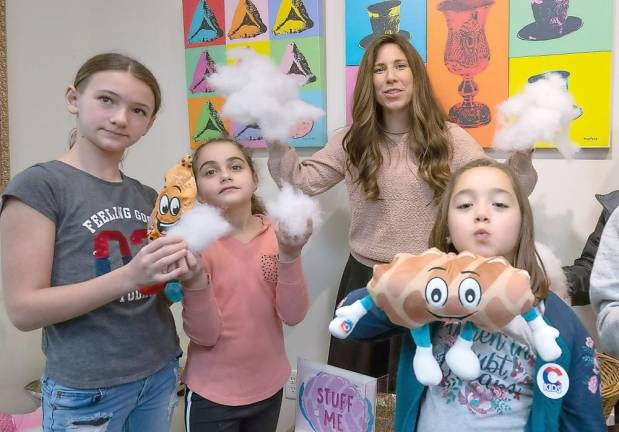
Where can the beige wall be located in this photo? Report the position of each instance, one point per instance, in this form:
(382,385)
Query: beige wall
(48,40)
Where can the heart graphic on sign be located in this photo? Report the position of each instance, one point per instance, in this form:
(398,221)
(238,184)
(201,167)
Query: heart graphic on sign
(331,403)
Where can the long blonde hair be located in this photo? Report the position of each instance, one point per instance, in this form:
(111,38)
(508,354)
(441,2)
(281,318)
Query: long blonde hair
(428,138)
(526,256)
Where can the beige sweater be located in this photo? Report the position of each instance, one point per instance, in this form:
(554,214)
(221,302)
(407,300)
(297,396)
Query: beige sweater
(402,219)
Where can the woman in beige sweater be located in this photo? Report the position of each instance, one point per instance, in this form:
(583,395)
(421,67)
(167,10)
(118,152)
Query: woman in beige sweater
(396,159)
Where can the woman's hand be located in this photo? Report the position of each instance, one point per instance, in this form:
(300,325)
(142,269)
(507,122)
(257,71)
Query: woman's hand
(290,245)
(521,161)
(154,263)
(277,148)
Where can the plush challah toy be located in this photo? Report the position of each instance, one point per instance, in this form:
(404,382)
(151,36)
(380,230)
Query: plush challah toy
(415,290)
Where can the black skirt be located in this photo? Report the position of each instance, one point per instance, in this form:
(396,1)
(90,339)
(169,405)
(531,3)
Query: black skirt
(375,359)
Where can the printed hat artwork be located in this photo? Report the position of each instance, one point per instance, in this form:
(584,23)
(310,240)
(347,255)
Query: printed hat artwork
(385,19)
(551,21)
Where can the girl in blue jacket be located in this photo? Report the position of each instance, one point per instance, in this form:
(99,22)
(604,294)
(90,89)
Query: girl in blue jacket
(484,211)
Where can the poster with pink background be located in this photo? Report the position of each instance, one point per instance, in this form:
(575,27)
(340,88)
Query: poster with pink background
(331,399)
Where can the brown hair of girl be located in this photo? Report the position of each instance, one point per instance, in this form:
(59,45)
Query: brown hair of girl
(256,204)
(526,256)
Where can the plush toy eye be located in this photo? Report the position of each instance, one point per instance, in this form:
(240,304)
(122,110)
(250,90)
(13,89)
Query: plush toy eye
(175,206)
(164,204)
(470,293)
(436,292)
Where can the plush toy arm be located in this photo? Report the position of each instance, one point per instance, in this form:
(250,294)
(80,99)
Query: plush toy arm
(171,289)
(460,358)
(347,317)
(425,366)
(544,336)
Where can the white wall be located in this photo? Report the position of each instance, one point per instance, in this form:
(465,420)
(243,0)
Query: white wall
(48,40)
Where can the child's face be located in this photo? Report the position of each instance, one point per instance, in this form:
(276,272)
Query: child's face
(224,178)
(114,109)
(484,215)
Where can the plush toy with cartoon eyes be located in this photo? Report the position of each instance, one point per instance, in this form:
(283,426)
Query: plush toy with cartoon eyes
(415,290)
(176,198)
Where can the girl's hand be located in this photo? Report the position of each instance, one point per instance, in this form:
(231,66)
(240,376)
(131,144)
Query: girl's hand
(290,246)
(193,276)
(154,263)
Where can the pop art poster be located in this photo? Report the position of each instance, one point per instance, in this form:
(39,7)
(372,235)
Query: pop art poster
(332,399)
(290,32)
(480,52)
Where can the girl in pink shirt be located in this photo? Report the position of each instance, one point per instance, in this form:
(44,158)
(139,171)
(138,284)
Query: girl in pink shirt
(236,298)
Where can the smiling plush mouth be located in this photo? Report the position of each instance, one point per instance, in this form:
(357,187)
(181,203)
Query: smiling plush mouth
(162,226)
(451,317)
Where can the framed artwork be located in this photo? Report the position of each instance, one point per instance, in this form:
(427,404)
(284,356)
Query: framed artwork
(5,172)
(290,32)
(480,52)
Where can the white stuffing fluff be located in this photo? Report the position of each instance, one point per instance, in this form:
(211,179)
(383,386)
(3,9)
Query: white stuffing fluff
(554,271)
(200,227)
(292,209)
(258,92)
(543,111)
(518,328)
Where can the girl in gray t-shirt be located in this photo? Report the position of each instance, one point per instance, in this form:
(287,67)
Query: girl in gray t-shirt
(73,233)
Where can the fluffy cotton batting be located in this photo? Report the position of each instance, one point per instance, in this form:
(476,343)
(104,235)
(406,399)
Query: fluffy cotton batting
(258,92)
(291,209)
(543,111)
(554,271)
(200,227)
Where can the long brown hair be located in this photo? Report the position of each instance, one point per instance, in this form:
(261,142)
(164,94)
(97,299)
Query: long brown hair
(115,62)
(526,256)
(428,138)
(256,204)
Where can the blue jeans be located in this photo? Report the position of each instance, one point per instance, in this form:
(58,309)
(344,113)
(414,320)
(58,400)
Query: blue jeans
(143,405)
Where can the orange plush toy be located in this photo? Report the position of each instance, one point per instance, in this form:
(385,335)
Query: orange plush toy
(176,198)
(415,290)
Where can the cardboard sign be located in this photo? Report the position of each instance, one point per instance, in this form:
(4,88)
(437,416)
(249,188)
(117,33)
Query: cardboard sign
(330,399)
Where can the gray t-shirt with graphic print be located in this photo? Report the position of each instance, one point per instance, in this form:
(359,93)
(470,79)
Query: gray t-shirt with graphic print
(499,400)
(100,226)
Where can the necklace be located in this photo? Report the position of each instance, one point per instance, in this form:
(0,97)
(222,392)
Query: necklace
(395,133)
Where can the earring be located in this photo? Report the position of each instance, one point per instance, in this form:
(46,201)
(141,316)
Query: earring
(448,240)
